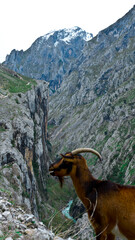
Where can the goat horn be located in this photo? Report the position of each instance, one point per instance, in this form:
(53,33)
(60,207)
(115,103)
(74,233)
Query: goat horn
(81,150)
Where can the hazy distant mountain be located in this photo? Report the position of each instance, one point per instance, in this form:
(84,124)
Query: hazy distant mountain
(50,56)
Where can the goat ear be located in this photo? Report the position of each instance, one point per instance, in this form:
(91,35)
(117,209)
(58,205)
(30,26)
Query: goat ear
(68,158)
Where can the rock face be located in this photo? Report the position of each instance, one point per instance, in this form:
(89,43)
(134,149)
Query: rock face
(95,106)
(23,146)
(50,56)
(25,187)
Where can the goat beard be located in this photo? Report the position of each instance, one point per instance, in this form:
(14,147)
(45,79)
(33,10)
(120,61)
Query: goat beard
(61,179)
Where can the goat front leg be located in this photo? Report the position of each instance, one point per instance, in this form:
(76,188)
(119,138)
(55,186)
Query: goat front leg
(101,236)
(101,230)
(110,236)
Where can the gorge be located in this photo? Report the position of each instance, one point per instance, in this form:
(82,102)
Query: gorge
(92,104)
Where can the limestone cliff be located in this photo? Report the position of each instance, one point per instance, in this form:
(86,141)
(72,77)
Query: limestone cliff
(24,161)
(23,145)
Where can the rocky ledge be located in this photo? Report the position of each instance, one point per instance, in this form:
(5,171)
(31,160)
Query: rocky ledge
(15,223)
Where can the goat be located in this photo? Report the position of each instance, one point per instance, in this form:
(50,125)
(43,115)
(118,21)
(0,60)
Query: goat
(110,206)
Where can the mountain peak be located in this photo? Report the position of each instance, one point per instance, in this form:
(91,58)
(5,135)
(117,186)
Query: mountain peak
(50,57)
(68,34)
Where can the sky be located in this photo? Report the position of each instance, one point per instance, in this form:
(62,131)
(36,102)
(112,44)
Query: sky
(23,21)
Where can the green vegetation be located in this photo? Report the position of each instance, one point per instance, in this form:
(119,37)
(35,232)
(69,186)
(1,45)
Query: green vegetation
(2,129)
(127,98)
(92,161)
(16,234)
(9,165)
(118,173)
(5,191)
(17,101)
(13,82)
(58,198)
(25,194)
(53,187)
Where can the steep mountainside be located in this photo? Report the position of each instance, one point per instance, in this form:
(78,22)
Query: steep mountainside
(50,56)
(25,152)
(23,137)
(95,106)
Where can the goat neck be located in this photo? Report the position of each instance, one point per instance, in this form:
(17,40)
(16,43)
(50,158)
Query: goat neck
(82,180)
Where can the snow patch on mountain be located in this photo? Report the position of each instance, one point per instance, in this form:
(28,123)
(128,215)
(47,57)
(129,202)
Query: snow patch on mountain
(67,35)
(46,36)
(50,57)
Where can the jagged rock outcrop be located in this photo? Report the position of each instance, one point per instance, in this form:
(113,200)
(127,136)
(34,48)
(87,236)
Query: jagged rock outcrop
(50,56)
(23,146)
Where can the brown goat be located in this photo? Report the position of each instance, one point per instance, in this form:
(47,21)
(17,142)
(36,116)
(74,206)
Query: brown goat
(110,206)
